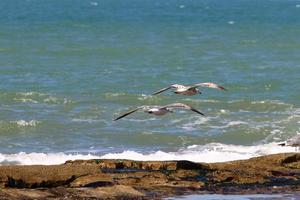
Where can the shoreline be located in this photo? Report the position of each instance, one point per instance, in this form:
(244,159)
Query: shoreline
(115,179)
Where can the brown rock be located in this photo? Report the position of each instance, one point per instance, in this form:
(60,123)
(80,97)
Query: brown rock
(117,192)
(115,179)
(41,176)
(93,180)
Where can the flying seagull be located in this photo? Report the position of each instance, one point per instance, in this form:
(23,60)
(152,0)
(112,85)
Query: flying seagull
(160,110)
(189,89)
(294,142)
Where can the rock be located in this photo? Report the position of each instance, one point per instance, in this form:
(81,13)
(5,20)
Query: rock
(117,191)
(42,176)
(93,180)
(140,165)
(117,179)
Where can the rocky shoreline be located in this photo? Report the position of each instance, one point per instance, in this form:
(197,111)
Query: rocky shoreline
(126,179)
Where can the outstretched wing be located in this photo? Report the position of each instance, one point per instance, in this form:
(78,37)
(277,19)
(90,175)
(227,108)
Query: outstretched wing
(127,113)
(183,106)
(210,85)
(162,90)
(167,88)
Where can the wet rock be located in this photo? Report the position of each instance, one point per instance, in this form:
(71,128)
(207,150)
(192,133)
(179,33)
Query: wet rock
(140,165)
(41,176)
(93,180)
(116,192)
(117,179)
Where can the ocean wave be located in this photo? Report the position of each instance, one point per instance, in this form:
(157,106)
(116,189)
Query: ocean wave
(254,118)
(212,152)
(90,121)
(51,100)
(129,96)
(193,125)
(94,3)
(275,102)
(145,96)
(202,100)
(23,158)
(30,94)
(261,106)
(231,124)
(109,94)
(25,100)
(23,123)
(215,123)
(37,97)
(7,126)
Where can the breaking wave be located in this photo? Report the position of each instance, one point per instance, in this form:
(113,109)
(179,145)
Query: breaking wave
(213,152)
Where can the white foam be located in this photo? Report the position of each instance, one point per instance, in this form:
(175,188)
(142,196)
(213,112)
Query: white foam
(145,96)
(224,111)
(21,123)
(36,97)
(93,3)
(51,100)
(30,94)
(201,121)
(42,158)
(213,152)
(234,123)
(193,125)
(114,94)
(25,100)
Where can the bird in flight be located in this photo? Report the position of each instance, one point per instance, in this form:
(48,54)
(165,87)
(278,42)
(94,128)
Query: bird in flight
(189,89)
(160,110)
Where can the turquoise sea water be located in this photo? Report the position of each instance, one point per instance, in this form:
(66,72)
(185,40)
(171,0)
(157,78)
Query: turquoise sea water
(68,67)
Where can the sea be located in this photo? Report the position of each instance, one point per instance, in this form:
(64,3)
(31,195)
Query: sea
(69,67)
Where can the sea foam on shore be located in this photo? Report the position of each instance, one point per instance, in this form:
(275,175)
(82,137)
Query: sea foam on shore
(209,153)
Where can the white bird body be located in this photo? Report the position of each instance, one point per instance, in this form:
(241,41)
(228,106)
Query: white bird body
(160,110)
(189,89)
(157,111)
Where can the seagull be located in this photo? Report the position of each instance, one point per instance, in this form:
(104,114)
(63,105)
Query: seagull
(189,89)
(160,110)
(294,142)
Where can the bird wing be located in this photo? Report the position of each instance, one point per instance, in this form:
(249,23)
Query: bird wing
(183,106)
(162,90)
(210,85)
(128,113)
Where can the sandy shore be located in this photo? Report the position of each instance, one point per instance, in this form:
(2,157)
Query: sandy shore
(117,179)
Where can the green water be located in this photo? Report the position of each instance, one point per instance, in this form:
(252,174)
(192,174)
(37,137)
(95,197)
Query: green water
(67,68)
